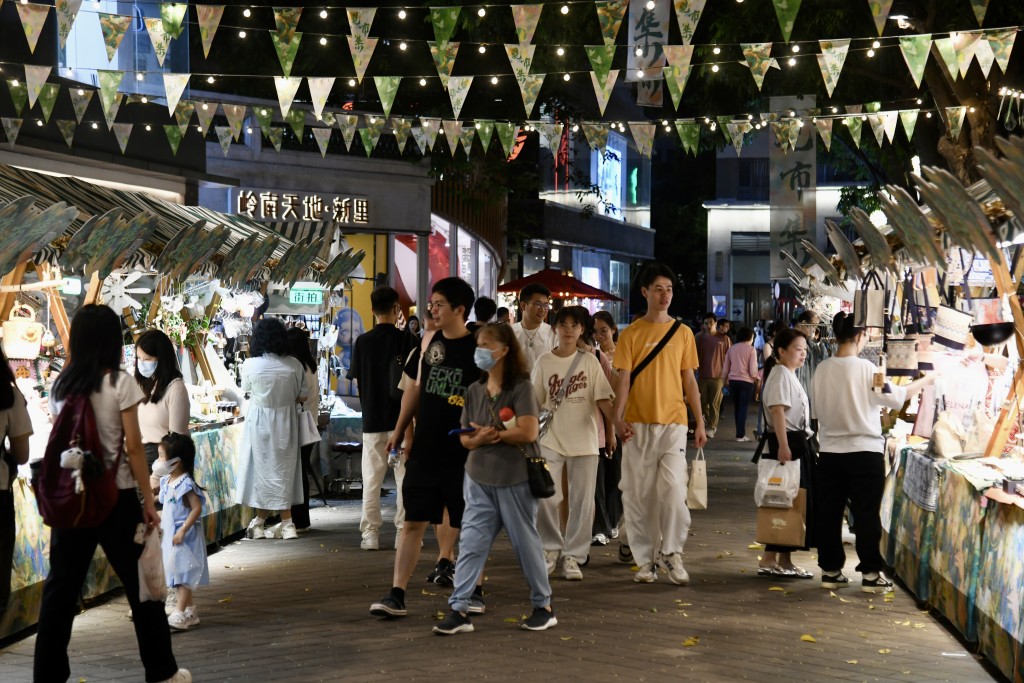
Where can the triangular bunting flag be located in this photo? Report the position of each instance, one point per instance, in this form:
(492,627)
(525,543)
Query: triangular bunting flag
(110,114)
(113,27)
(172,14)
(979,7)
(947,50)
(601,57)
(445,20)
(458,88)
(792,133)
(348,123)
(609,15)
(466,138)
(67,11)
(319,91)
(986,58)
(47,98)
(915,51)
(675,81)
(880,13)
(205,111)
(831,60)
(678,55)
(421,139)
(109,82)
(737,129)
(286,89)
(890,120)
(362,50)
(80,99)
(183,114)
(854,108)
(955,119)
(402,127)
(375,126)
(687,15)
(328,118)
(723,122)
(67,130)
(35,78)
(11,128)
(387,88)
(431,127)
(485,131)
(855,125)
(643,136)
(160,38)
(223,137)
(297,120)
(909,121)
(875,121)
(603,90)
(323,138)
(597,135)
(452,131)
(689,135)
(19,94)
(368,144)
(506,135)
(235,114)
(122,131)
(264,115)
(444,59)
(276,137)
(209,21)
(286,21)
(32,19)
(526,17)
(530,88)
(287,48)
(174,86)
(824,127)
(965,46)
(521,59)
(174,136)
(786,11)
(1001,43)
(759,59)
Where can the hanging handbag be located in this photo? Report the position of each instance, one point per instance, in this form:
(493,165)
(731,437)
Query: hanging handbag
(23,336)
(925,354)
(697,486)
(952,327)
(538,476)
(869,302)
(308,431)
(901,358)
(544,418)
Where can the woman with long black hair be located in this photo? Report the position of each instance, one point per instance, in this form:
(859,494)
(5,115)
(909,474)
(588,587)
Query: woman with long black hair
(15,428)
(298,341)
(94,369)
(165,407)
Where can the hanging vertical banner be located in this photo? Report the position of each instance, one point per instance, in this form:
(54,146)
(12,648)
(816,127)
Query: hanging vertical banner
(209,21)
(909,121)
(526,18)
(286,48)
(183,114)
(687,15)
(824,127)
(445,20)
(609,16)
(947,50)
(12,127)
(67,12)
(444,59)
(35,79)
(880,13)
(979,7)
(955,119)
(603,89)
(458,88)
(792,194)
(452,131)
(855,125)
(172,14)
(485,131)
(296,119)
(80,99)
(276,137)
(506,135)
(402,127)
(67,130)
(1001,43)
(206,111)
(323,138)
(986,58)
(113,27)
(597,136)
(174,136)
(19,95)
(387,88)
(831,60)
(174,86)
(235,114)
(223,137)
(431,127)
(32,19)
(786,11)
(122,131)
(319,91)
(965,45)
(466,138)
(286,89)
(915,51)
(759,59)
(360,43)
(348,124)
(648,33)
(109,82)
(643,136)
(600,57)
(47,98)
(160,38)
(689,135)
(420,138)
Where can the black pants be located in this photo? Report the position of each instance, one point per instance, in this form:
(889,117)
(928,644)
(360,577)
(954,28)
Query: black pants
(71,551)
(741,393)
(300,511)
(608,497)
(860,479)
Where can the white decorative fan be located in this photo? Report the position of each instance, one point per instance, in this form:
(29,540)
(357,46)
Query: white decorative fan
(117,290)
(172,304)
(328,337)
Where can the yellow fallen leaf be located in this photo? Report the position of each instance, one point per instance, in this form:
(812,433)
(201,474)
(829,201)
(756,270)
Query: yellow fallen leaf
(889,598)
(755,546)
(884,651)
(424,591)
(566,637)
(227,599)
(777,588)
(905,623)
(683,604)
(844,600)
(871,607)
(438,615)
(691,641)
(511,620)
(851,661)
(807,638)
(654,609)
(905,673)
(919,625)
(863,634)
(831,594)
(307,589)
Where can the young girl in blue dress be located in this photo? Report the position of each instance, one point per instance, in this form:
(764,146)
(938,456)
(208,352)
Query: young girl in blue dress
(184,543)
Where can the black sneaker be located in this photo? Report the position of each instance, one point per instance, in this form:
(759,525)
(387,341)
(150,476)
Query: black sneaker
(389,606)
(540,620)
(432,576)
(625,554)
(833,581)
(879,584)
(454,623)
(445,573)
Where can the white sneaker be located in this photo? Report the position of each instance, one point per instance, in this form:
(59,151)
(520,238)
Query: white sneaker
(182,676)
(742,439)
(370,541)
(192,616)
(178,621)
(287,530)
(673,564)
(551,560)
(648,574)
(272,531)
(571,569)
(710,433)
(255,529)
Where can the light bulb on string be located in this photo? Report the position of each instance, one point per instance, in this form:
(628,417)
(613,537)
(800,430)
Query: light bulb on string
(796,48)
(205,106)
(871,52)
(792,61)
(835,110)
(919,101)
(351,82)
(402,46)
(39,122)
(423,81)
(71,72)
(95,125)
(876,44)
(566,77)
(245,13)
(140,76)
(401,14)
(639,52)
(650,4)
(560,52)
(494,80)
(248,130)
(149,127)
(323,40)
(713,125)
(717,50)
(792,112)
(481,12)
(210,79)
(80,92)
(565,9)
(483,49)
(145,100)
(639,73)
(241,34)
(971,110)
(928,115)
(323,14)
(714,68)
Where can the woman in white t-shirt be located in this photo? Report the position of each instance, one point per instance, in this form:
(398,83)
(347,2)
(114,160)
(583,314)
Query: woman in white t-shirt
(15,428)
(852,464)
(571,441)
(94,369)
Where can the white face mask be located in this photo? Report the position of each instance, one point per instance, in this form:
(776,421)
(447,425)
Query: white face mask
(163,468)
(147,368)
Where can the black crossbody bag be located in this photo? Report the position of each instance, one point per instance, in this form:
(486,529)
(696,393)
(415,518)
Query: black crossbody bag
(654,352)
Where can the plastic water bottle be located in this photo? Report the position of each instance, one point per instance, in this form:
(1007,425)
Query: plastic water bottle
(393,459)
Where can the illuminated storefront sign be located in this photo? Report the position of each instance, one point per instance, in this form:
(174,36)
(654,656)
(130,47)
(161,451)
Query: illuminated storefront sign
(274,205)
(306,297)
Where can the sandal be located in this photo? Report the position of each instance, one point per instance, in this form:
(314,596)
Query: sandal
(769,571)
(795,572)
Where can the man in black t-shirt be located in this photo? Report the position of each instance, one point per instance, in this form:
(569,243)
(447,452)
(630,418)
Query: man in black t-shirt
(435,467)
(377,362)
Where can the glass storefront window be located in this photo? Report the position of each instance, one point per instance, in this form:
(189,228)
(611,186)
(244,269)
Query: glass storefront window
(618,277)
(487,275)
(467,265)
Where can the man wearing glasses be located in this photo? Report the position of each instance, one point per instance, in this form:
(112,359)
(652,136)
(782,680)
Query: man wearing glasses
(435,466)
(534,335)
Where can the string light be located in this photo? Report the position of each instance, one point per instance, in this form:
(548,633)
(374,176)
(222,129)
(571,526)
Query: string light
(835,110)
(796,48)
(494,80)
(402,45)
(714,68)
(928,115)
(39,123)
(477,126)
(263,112)
(323,40)
(971,110)
(245,13)
(483,49)
(565,9)
(323,15)
(423,81)
(560,52)
(241,34)
(80,92)
(140,76)
(792,113)
(639,52)
(919,101)
(717,50)
(211,79)
(95,125)
(566,77)
(481,12)
(206,107)
(248,130)
(792,61)
(401,14)
(639,73)
(575,128)
(149,127)
(871,53)
(876,44)
(145,100)
(351,82)
(650,4)
(71,72)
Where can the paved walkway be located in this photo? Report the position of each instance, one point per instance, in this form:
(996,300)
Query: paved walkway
(298,611)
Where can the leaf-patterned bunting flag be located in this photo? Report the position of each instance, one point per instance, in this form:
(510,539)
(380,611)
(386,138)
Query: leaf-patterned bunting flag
(609,16)
(319,91)
(880,13)
(466,138)
(458,88)
(1001,43)
(452,131)
(174,85)
(786,11)
(223,137)
(113,27)
(67,12)
(183,114)
(235,114)
(855,125)
(947,50)
(32,19)
(831,60)
(109,82)
(35,79)
(526,17)
(19,94)
(521,59)
(485,131)
(737,129)
(362,50)
(286,21)
(368,144)
(110,114)
(12,127)
(965,45)
(877,129)
(47,98)
(205,111)
(67,130)
(375,126)
(530,88)
(421,139)
(323,138)
(444,19)
(603,89)
(276,137)
(979,7)
(348,123)
(444,59)
(209,21)
(689,135)
(955,118)
(675,80)
(986,58)
(909,121)
(824,127)
(264,116)
(688,14)
(387,88)
(643,136)
(122,131)
(286,47)
(329,118)
(506,135)
(286,89)
(172,14)
(80,99)
(890,119)
(915,51)
(600,57)
(160,38)
(597,136)
(402,128)
(431,127)
(723,122)
(296,119)
(759,59)
(174,136)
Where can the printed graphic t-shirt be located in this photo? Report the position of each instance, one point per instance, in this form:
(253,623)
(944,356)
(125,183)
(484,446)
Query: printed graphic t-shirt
(657,395)
(499,464)
(573,428)
(446,371)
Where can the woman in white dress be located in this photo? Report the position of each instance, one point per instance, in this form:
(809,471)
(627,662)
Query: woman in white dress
(269,476)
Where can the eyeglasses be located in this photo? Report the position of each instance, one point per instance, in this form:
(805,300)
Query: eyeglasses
(540,306)
(435,305)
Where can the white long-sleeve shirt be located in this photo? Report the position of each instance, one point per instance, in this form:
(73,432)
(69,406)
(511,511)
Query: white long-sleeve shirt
(847,410)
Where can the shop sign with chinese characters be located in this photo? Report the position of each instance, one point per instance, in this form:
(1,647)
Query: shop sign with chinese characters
(306,297)
(286,205)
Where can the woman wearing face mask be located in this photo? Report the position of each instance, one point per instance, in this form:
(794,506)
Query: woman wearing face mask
(165,406)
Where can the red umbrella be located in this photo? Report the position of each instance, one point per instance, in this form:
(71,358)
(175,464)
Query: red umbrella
(562,286)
